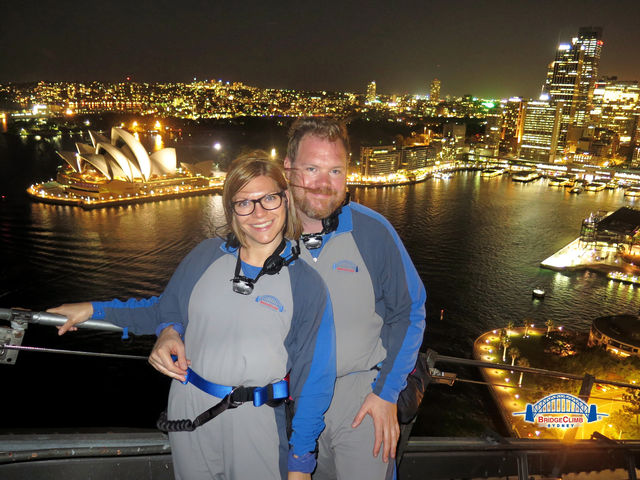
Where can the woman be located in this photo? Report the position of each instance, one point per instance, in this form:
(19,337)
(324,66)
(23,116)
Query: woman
(251,314)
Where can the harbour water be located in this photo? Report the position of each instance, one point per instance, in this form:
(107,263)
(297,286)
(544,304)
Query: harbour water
(476,242)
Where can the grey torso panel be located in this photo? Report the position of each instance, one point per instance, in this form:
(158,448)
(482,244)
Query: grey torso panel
(358,326)
(235,339)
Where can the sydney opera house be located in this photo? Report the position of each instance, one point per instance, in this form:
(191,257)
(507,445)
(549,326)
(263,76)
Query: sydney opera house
(119,170)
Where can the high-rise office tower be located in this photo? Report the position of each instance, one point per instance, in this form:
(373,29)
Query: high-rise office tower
(571,79)
(371,92)
(455,133)
(492,131)
(383,160)
(434,90)
(512,124)
(541,130)
(616,107)
(379,160)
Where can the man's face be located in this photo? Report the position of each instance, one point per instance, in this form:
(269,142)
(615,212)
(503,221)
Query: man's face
(318,176)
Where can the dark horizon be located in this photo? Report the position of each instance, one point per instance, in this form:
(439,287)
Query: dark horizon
(492,50)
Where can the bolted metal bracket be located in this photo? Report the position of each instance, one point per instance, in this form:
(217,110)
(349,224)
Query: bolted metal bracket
(436,375)
(447,378)
(10,336)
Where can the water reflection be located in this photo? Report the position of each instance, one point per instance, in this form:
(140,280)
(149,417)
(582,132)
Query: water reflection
(478,243)
(158,144)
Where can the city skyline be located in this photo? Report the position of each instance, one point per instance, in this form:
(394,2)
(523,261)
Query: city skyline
(493,50)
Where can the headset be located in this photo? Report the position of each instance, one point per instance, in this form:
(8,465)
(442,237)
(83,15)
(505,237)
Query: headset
(313,241)
(272,265)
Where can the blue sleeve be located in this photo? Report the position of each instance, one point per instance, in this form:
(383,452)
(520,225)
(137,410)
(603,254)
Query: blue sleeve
(148,316)
(139,315)
(311,344)
(402,299)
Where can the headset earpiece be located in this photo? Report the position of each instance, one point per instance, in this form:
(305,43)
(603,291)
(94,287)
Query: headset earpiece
(272,265)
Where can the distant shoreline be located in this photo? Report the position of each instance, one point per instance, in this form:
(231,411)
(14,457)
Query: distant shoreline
(94,204)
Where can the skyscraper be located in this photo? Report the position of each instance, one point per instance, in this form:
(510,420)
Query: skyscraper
(371,92)
(379,160)
(512,124)
(541,130)
(571,79)
(434,90)
(616,107)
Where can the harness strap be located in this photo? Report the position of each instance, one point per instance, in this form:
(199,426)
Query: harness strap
(232,397)
(186,425)
(258,395)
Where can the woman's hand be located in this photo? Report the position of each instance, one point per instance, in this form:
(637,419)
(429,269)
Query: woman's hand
(298,476)
(75,312)
(169,343)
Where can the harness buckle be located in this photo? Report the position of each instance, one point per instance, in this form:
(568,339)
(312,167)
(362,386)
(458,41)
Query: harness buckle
(239,395)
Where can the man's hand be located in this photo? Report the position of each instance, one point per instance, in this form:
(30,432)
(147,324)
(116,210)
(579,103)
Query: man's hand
(75,312)
(298,476)
(385,423)
(169,343)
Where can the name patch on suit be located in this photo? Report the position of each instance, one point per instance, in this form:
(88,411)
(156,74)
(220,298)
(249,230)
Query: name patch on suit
(271,302)
(345,266)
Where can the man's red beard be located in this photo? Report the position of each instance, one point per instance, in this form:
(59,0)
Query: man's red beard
(316,208)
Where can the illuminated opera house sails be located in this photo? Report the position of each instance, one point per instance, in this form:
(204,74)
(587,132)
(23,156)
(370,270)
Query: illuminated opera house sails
(119,170)
(128,162)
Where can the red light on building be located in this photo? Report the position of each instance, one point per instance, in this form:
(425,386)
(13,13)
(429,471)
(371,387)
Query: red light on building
(600,42)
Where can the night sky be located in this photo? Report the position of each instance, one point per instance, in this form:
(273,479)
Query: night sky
(484,48)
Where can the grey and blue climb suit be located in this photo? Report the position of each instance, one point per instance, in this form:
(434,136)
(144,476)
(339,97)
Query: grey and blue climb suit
(379,313)
(284,326)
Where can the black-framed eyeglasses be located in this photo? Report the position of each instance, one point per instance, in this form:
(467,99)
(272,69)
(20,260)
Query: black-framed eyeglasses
(270,201)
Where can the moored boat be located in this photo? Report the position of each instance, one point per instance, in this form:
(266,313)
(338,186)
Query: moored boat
(442,175)
(594,186)
(632,191)
(525,176)
(624,277)
(538,293)
(492,172)
(560,181)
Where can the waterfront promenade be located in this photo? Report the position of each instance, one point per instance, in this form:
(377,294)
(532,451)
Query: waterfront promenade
(57,196)
(505,389)
(574,256)
(503,385)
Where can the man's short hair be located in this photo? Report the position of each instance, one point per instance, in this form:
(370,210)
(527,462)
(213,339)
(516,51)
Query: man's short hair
(323,127)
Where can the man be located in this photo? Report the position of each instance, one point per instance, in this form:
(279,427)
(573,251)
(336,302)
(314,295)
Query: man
(378,301)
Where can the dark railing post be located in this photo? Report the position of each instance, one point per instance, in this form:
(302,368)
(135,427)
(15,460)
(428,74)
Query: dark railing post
(585,391)
(405,433)
(585,388)
(523,466)
(632,466)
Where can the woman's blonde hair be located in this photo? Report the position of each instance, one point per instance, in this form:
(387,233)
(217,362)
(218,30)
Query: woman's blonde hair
(242,170)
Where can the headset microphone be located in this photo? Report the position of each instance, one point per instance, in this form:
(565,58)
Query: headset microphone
(272,265)
(313,241)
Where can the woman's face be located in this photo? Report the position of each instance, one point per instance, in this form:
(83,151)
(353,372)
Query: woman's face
(262,227)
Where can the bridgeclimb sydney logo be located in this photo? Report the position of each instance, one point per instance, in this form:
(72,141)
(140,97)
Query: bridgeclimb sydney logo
(561,410)
(271,302)
(345,266)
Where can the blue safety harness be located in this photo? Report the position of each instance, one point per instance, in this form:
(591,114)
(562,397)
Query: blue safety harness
(258,395)
(273,395)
